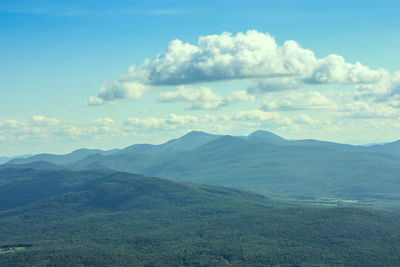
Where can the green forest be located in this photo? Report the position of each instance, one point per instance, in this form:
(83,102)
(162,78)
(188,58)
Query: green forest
(107,218)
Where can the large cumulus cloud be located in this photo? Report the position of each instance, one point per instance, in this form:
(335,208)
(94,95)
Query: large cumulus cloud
(252,55)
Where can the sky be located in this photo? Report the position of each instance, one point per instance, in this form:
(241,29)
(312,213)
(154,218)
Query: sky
(108,74)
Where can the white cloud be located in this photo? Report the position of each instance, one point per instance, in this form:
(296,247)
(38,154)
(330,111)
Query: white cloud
(354,116)
(203,97)
(334,69)
(70,131)
(364,110)
(298,101)
(44,121)
(114,90)
(208,122)
(219,57)
(251,55)
(11,124)
(239,96)
(104,121)
(176,119)
(151,123)
(198,98)
(386,89)
(39,127)
(139,124)
(208,118)
(95,101)
(261,115)
(274,84)
(304,119)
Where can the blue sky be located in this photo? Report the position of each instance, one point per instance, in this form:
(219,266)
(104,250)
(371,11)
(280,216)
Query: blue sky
(66,76)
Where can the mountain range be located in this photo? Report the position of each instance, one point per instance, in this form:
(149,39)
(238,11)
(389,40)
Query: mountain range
(310,171)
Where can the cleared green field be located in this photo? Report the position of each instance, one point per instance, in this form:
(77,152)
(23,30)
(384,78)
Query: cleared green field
(11,249)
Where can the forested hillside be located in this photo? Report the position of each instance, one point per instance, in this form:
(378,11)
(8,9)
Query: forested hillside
(104,218)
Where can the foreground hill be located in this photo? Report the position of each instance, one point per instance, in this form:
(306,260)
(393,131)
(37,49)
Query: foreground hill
(104,218)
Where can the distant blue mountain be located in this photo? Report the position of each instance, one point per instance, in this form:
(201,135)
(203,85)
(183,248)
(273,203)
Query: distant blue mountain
(268,164)
(6,159)
(189,141)
(261,162)
(389,148)
(265,136)
(62,159)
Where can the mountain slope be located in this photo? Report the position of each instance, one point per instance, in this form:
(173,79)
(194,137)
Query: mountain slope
(391,148)
(38,165)
(296,170)
(122,219)
(287,170)
(61,159)
(58,159)
(189,141)
(6,159)
(306,170)
(266,137)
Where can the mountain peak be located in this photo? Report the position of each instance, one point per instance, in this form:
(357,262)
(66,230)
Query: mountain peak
(260,134)
(193,139)
(196,133)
